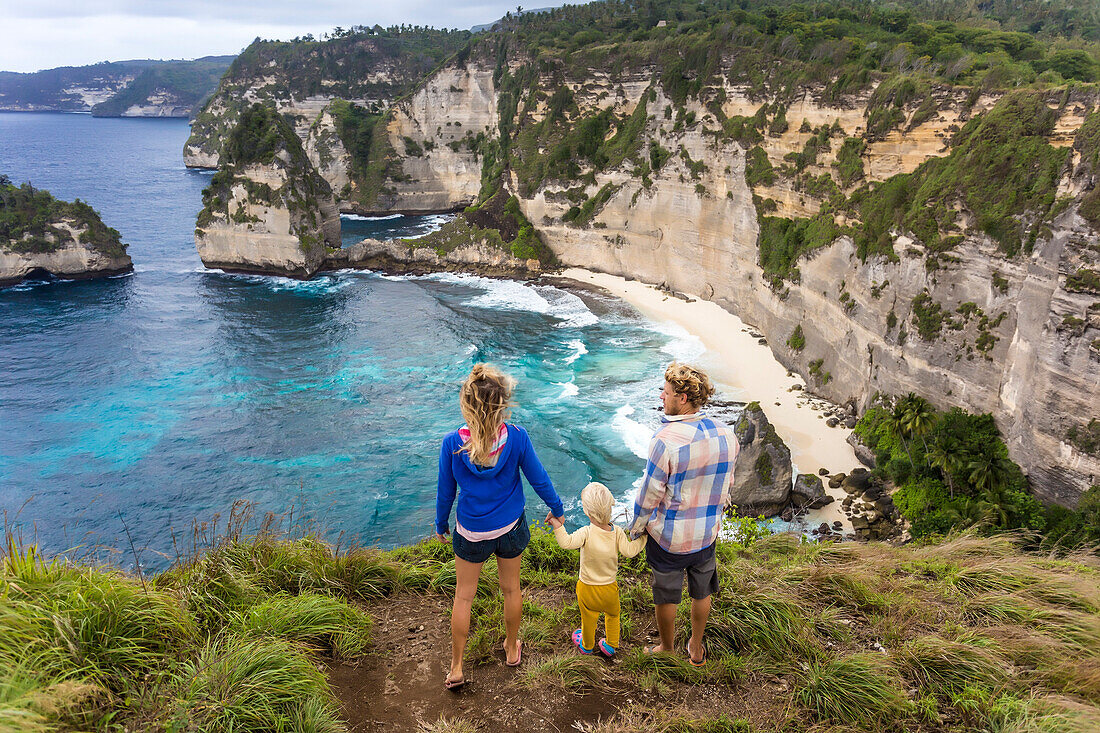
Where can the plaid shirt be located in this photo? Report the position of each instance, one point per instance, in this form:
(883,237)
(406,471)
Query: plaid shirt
(687,483)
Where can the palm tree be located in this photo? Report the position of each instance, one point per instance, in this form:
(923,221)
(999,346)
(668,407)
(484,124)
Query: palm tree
(920,416)
(945,455)
(989,471)
(896,423)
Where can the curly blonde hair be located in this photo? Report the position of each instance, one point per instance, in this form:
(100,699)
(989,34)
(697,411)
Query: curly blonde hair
(691,382)
(486,402)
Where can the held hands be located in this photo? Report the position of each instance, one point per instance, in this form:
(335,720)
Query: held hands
(553,521)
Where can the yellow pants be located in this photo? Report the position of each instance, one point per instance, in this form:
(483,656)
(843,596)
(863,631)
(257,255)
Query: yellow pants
(594,600)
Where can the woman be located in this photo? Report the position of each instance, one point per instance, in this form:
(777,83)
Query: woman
(485,458)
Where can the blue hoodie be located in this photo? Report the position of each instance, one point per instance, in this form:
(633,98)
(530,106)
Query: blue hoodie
(491,496)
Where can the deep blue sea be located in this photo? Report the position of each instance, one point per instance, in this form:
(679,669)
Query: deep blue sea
(156,399)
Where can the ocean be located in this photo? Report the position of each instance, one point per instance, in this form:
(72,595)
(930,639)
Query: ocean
(144,403)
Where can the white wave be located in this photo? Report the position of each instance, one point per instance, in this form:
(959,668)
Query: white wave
(360,217)
(569,308)
(498,294)
(568,389)
(682,346)
(634,435)
(578,351)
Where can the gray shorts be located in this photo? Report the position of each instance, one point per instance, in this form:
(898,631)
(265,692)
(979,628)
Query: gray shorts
(668,585)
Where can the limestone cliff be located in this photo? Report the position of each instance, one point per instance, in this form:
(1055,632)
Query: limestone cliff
(267,210)
(41,235)
(369,67)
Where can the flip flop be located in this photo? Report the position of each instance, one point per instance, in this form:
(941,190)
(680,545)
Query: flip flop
(692,662)
(454,684)
(519,655)
(652,649)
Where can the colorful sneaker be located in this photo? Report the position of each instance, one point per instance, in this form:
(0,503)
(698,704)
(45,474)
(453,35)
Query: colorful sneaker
(577,643)
(607,649)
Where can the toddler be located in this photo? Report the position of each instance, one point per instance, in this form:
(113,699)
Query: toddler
(600,544)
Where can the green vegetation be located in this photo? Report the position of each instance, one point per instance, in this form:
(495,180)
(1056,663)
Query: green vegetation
(30,219)
(1085,280)
(1000,168)
(797,339)
(497,223)
(235,637)
(849,161)
(782,241)
(188,82)
(952,471)
(1085,438)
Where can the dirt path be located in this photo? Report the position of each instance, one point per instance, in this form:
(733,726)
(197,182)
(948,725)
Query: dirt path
(399,686)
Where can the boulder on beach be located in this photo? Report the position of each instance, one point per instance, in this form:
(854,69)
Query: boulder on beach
(808,492)
(763,472)
(863,452)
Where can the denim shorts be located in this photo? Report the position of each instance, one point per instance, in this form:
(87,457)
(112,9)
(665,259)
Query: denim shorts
(507,546)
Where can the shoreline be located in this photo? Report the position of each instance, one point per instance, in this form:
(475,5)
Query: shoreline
(745,370)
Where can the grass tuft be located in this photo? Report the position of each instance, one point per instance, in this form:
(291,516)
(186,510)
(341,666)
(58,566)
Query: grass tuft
(854,690)
(317,621)
(574,672)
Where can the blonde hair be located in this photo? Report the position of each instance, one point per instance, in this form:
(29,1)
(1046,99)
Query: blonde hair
(485,400)
(691,382)
(597,502)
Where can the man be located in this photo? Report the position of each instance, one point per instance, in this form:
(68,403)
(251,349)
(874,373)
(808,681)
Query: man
(681,503)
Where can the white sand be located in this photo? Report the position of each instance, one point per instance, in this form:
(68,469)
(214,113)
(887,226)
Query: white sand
(745,370)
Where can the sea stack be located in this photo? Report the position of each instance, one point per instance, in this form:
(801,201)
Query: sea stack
(42,235)
(266,210)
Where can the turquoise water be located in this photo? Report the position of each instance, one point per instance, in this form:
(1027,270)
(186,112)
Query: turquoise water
(155,399)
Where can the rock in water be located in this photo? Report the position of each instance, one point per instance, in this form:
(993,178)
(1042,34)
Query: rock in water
(40,234)
(762,475)
(266,210)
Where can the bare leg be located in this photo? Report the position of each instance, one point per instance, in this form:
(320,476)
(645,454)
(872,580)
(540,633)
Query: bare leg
(508,575)
(666,626)
(466,574)
(700,612)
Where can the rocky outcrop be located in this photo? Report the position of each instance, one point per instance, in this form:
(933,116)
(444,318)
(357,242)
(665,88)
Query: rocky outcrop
(809,493)
(267,211)
(70,260)
(763,472)
(40,235)
(414,257)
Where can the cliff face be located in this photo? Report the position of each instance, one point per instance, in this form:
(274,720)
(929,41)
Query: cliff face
(696,229)
(268,211)
(370,69)
(41,235)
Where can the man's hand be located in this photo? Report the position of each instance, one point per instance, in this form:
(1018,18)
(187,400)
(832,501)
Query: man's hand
(553,521)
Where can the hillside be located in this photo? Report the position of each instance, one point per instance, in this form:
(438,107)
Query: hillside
(964,634)
(115,89)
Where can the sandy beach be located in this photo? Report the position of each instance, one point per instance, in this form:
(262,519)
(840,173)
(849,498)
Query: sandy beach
(745,370)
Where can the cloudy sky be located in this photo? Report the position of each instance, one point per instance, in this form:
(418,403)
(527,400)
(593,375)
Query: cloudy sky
(42,34)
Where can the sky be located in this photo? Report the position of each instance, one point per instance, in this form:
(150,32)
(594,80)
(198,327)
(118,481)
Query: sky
(43,34)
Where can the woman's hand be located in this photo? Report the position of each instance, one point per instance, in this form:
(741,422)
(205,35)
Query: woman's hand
(553,521)
(442,537)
